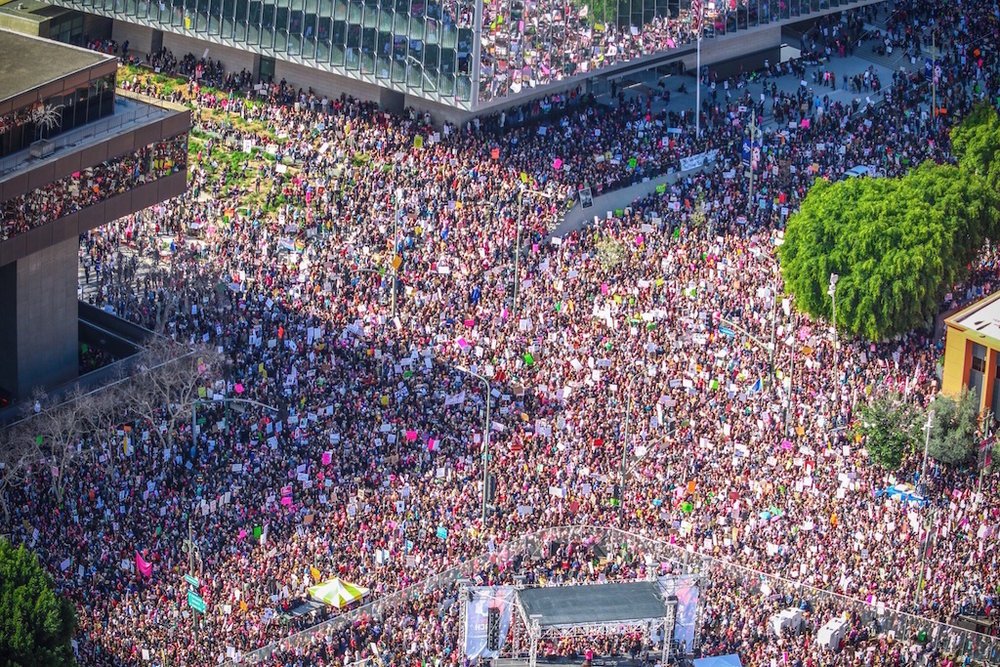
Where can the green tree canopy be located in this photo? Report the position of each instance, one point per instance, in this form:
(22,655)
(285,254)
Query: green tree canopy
(890,425)
(36,625)
(897,245)
(954,430)
(976,144)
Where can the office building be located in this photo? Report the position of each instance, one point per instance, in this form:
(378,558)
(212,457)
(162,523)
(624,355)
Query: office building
(74,155)
(972,353)
(454,57)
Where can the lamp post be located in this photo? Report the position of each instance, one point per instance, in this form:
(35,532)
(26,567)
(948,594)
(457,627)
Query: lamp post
(621,486)
(832,291)
(486,434)
(927,442)
(399,196)
(517,243)
(194,553)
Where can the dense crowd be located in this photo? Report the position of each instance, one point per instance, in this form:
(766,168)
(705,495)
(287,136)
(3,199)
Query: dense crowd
(611,349)
(91,185)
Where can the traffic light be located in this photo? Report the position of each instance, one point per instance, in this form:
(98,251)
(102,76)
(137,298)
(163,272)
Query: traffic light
(493,629)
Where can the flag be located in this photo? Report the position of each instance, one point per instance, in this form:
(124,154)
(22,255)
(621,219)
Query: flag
(316,574)
(696,16)
(986,447)
(145,569)
(756,387)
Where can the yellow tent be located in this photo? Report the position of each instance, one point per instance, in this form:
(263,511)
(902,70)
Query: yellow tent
(337,593)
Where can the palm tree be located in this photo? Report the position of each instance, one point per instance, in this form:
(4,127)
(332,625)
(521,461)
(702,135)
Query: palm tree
(46,117)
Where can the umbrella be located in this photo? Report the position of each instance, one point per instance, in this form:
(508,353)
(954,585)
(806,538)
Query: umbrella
(337,593)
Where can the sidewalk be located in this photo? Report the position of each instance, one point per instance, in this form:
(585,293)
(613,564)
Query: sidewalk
(637,85)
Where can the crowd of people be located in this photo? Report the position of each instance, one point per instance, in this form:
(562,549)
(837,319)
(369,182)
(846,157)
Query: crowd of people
(369,469)
(91,185)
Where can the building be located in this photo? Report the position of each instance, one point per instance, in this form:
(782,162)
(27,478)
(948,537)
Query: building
(433,56)
(972,353)
(74,155)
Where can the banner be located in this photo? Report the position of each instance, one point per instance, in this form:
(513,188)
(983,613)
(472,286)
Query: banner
(481,599)
(692,162)
(685,587)
(686,615)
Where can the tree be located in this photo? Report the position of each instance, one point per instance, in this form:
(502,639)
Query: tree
(610,252)
(954,430)
(169,383)
(890,425)
(36,625)
(976,144)
(19,450)
(897,245)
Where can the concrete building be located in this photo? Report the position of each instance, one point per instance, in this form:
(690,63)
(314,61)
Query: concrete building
(972,353)
(74,155)
(454,58)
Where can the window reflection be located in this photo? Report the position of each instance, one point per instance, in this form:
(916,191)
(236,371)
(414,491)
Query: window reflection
(426,45)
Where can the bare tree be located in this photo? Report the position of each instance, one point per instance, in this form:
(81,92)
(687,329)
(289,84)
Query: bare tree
(168,384)
(59,431)
(19,450)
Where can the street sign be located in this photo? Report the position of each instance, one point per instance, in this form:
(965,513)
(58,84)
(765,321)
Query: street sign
(191,580)
(195,602)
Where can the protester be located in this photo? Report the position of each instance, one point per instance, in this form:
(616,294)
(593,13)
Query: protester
(612,350)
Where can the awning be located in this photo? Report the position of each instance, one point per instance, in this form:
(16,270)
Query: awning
(337,593)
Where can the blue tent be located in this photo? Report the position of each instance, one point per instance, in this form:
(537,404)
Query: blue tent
(719,661)
(904,493)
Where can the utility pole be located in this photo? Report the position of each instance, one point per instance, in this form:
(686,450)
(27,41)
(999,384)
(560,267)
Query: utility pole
(191,549)
(989,440)
(517,248)
(918,594)
(395,245)
(927,442)
(628,413)
(753,158)
(934,111)
(774,327)
(517,243)
(832,291)
(697,11)
(486,437)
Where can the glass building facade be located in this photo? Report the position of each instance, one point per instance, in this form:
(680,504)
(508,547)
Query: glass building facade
(57,114)
(433,49)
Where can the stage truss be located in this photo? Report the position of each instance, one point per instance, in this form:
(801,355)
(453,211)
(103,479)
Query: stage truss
(526,634)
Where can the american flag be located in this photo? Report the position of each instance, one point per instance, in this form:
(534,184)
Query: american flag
(697,9)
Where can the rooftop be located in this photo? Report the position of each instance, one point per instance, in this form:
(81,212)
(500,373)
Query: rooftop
(982,316)
(27,62)
(567,606)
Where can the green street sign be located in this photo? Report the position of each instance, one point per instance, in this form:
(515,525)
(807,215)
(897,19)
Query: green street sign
(195,602)
(191,580)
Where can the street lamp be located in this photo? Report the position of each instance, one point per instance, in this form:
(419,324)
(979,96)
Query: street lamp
(486,434)
(832,291)
(927,442)
(399,196)
(517,245)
